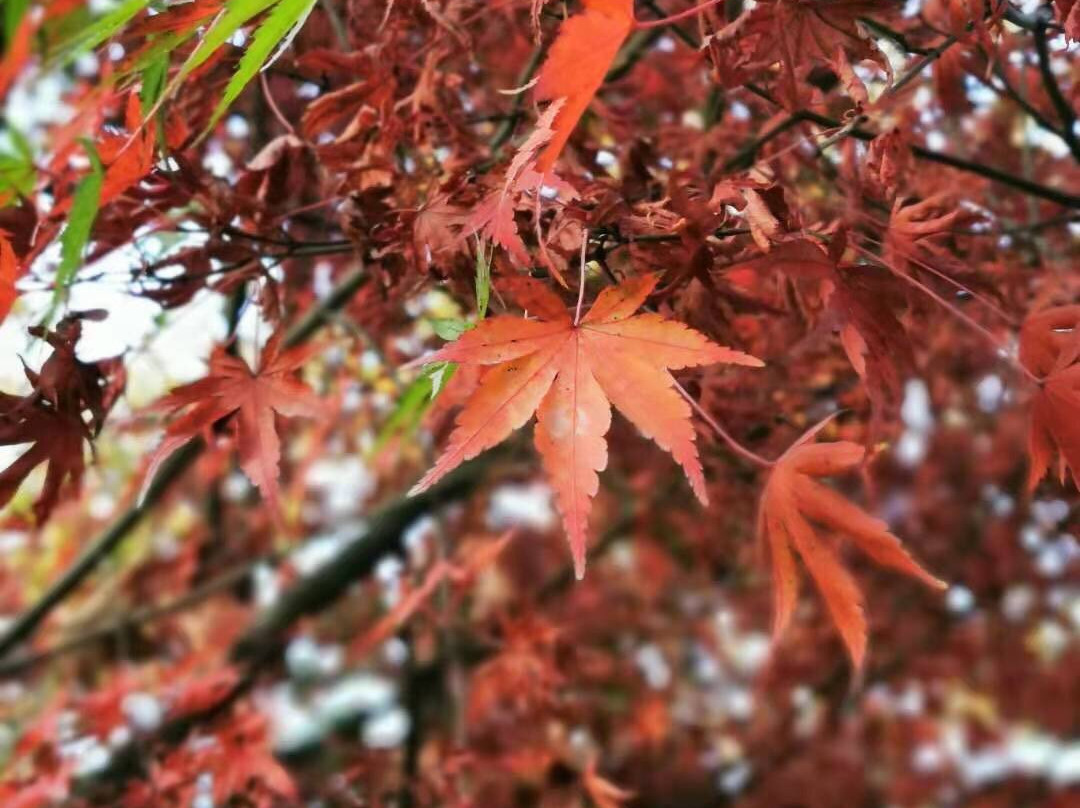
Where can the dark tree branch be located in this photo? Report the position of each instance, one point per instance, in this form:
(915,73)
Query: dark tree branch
(636,48)
(100,549)
(355,562)
(921,152)
(18,665)
(1029,22)
(890,33)
(1064,110)
(642,41)
(127,761)
(744,157)
(675,28)
(1007,89)
(928,57)
(1019,183)
(261,645)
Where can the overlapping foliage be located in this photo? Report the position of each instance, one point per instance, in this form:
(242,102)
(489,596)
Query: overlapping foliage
(875,204)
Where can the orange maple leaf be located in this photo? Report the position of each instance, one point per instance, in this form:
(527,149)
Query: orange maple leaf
(249,400)
(9,273)
(18,48)
(128,157)
(570,373)
(791,502)
(576,65)
(1050,348)
(580,58)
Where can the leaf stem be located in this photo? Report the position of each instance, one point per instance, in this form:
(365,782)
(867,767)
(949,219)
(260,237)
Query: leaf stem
(961,315)
(738,448)
(682,15)
(272,104)
(581,278)
(986,301)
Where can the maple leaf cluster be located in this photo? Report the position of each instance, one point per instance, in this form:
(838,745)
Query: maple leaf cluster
(65,409)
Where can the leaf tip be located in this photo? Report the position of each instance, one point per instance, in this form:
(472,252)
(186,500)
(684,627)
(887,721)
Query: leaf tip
(858,659)
(579,563)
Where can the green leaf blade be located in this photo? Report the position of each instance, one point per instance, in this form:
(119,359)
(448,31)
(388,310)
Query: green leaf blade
(227,23)
(98,32)
(483,282)
(277,31)
(84,208)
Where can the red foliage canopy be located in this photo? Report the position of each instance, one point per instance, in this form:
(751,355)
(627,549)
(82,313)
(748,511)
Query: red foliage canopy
(419,223)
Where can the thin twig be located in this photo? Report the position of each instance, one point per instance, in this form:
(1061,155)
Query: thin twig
(98,633)
(1029,22)
(506,129)
(1009,91)
(986,301)
(744,157)
(640,43)
(1060,197)
(356,560)
(1020,229)
(928,58)
(889,33)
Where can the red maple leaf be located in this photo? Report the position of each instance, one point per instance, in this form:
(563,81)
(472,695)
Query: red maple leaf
(493,218)
(1050,348)
(247,399)
(17,49)
(56,439)
(53,417)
